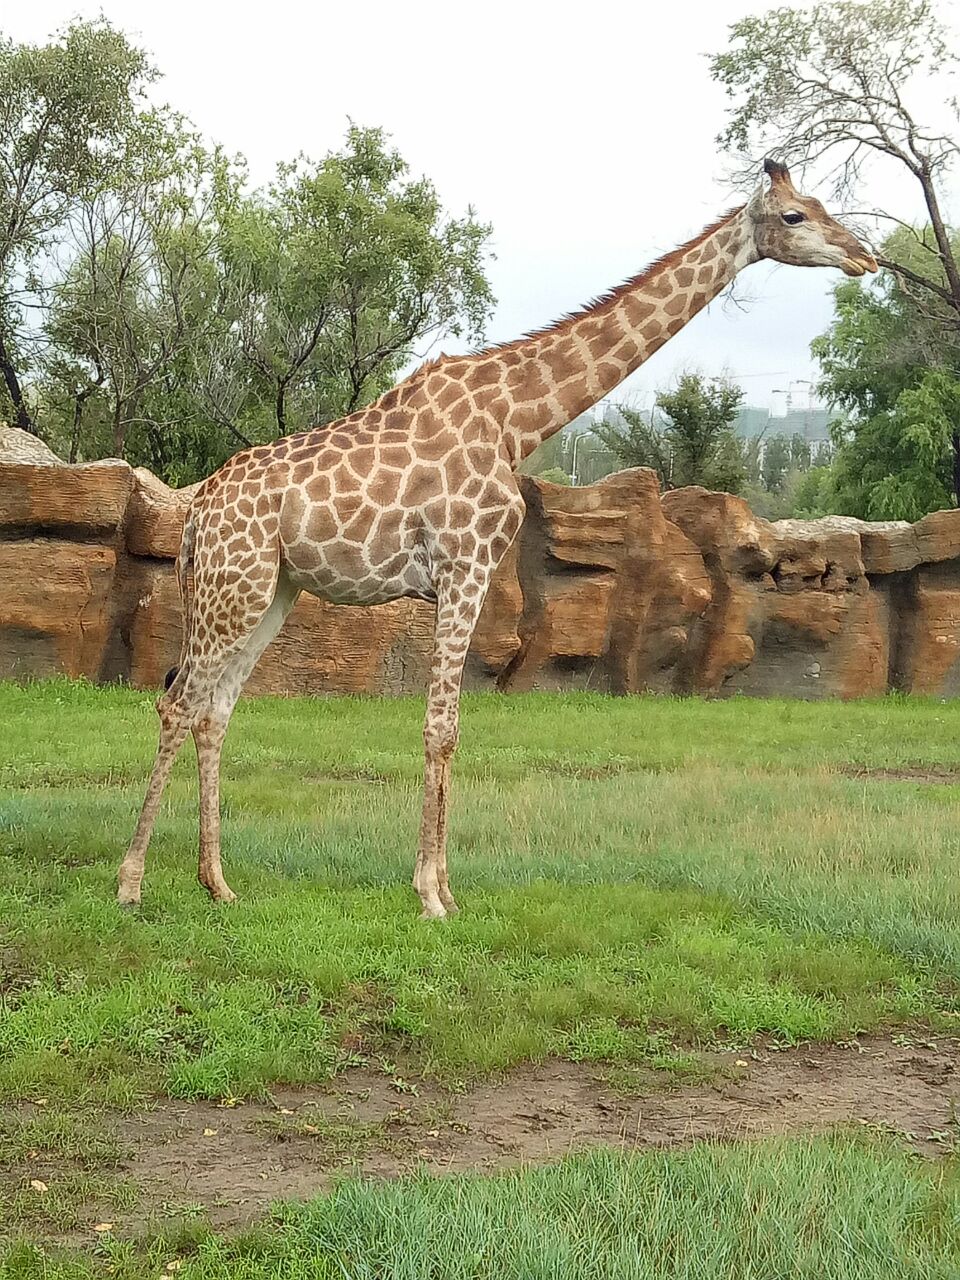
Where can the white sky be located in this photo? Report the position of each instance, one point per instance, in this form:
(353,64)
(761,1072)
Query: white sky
(584,133)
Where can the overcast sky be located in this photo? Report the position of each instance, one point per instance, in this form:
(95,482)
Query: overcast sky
(584,133)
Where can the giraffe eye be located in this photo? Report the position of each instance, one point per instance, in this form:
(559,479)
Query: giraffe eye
(792,219)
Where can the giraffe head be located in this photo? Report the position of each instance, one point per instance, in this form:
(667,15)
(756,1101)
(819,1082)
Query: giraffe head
(796,229)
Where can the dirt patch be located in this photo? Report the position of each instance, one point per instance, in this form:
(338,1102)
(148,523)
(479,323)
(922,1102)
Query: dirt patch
(365,777)
(234,1161)
(909,773)
(597,772)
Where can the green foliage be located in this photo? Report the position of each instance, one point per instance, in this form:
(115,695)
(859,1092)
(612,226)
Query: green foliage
(778,488)
(696,446)
(336,270)
(66,111)
(554,475)
(195,318)
(776,463)
(636,442)
(892,363)
(813,494)
(138,303)
(896,464)
(181,315)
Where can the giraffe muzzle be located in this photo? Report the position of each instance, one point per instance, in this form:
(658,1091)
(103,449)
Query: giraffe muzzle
(860,264)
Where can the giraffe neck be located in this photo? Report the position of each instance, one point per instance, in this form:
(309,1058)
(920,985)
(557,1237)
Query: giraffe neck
(553,376)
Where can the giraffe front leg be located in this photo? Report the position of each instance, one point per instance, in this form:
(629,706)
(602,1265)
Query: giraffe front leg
(457,615)
(430,876)
(443,887)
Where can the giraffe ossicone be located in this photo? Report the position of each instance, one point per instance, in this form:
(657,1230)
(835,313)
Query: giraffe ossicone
(416,495)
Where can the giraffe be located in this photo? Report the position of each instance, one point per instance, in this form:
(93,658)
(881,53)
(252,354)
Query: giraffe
(416,495)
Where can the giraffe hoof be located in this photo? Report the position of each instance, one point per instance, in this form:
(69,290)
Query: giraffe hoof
(223,896)
(433,913)
(128,904)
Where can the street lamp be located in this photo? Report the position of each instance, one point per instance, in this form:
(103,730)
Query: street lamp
(573,461)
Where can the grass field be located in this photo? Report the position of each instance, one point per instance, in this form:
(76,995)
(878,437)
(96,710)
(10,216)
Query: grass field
(640,880)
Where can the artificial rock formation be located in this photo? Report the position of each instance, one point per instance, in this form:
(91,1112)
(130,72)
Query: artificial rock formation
(610,587)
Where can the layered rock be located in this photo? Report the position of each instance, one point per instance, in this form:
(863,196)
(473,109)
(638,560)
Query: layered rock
(609,587)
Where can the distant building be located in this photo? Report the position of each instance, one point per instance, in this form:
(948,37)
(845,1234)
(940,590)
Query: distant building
(812,425)
(751,423)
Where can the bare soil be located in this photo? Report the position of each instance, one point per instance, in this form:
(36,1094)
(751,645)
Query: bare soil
(909,773)
(235,1160)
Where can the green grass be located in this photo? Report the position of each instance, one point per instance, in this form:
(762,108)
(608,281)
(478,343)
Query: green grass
(838,1208)
(639,878)
(634,874)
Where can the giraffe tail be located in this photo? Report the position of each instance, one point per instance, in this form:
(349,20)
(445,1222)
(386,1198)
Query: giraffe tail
(184,564)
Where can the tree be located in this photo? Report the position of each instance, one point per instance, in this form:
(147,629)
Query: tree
(776,463)
(801,457)
(895,371)
(192,318)
(812,494)
(141,289)
(65,110)
(833,83)
(696,445)
(636,442)
(336,271)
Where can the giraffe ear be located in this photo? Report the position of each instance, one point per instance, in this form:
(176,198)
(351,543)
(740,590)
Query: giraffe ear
(778,174)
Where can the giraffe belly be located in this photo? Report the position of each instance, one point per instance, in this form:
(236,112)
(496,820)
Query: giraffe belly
(343,574)
(349,549)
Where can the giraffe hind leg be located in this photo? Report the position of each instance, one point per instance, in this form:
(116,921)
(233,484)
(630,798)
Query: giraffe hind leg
(177,715)
(210,730)
(196,693)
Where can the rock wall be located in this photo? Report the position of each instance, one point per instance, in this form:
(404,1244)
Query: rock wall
(608,587)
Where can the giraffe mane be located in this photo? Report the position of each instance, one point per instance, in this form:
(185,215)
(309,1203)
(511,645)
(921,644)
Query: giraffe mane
(603,300)
(613,295)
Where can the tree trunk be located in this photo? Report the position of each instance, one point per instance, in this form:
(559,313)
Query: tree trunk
(941,234)
(119,433)
(78,403)
(158,452)
(281,408)
(24,420)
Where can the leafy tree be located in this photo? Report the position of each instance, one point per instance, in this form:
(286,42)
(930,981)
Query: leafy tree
(65,111)
(892,364)
(835,83)
(335,273)
(636,442)
(812,494)
(800,454)
(696,444)
(142,290)
(193,318)
(776,463)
